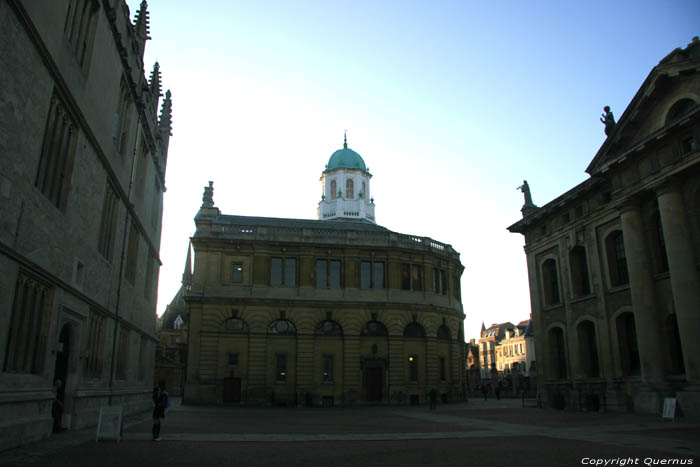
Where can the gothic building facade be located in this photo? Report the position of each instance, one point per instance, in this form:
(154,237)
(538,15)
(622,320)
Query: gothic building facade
(613,263)
(83,170)
(332,311)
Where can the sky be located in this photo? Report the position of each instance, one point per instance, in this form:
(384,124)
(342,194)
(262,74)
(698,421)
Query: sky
(452,104)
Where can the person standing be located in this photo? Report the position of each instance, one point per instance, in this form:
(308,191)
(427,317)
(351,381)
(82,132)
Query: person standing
(160,402)
(433,398)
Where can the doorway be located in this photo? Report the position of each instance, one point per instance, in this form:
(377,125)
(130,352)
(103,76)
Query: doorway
(374,383)
(232,390)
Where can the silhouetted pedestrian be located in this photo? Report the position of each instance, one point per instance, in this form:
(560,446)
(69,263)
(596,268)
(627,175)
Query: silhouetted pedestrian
(161,401)
(485,391)
(433,398)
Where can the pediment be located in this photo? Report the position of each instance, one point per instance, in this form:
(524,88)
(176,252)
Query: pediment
(668,97)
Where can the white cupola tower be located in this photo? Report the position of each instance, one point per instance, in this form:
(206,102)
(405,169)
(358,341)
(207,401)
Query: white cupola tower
(345,184)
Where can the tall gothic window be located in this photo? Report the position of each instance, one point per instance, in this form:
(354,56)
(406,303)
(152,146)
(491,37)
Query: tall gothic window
(29,327)
(132,254)
(120,129)
(349,189)
(108,224)
(57,154)
(79,28)
(96,334)
(334,189)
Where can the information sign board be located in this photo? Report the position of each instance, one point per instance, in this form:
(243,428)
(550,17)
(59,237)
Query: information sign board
(109,425)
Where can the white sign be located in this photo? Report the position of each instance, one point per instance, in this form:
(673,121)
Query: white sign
(109,425)
(669,408)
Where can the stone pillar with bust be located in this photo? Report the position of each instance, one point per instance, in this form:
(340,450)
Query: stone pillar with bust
(685,285)
(643,295)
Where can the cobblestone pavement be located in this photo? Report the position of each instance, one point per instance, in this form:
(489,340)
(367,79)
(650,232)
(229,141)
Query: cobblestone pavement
(492,433)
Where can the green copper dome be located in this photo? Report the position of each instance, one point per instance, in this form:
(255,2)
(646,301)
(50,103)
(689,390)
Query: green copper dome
(346,159)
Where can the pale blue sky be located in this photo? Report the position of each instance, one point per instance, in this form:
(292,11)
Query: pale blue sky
(451,104)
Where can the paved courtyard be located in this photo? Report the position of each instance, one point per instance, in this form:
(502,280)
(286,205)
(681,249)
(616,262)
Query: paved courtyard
(490,433)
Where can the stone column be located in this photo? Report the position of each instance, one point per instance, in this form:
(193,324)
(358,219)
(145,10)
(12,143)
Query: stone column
(643,294)
(684,276)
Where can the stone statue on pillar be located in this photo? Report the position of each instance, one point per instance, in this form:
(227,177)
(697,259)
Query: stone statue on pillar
(208,196)
(529,206)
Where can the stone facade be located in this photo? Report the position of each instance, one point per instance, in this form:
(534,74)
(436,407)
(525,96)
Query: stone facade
(613,263)
(320,312)
(516,351)
(79,243)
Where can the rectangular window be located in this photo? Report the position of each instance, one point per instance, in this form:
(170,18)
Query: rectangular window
(233,359)
(29,327)
(413,368)
(281,373)
(283,272)
(442,369)
(365,274)
(276,271)
(443,281)
(96,335)
(237,273)
(417,277)
(378,275)
(290,272)
(80,28)
(405,276)
(328,273)
(436,280)
(57,154)
(123,353)
(108,224)
(372,274)
(327,375)
(132,254)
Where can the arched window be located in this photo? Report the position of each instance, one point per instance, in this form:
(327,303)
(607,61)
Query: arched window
(349,189)
(627,342)
(443,332)
(334,190)
(414,330)
(675,350)
(659,244)
(282,327)
(374,328)
(579,271)
(588,349)
(679,109)
(617,259)
(557,353)
(329,328)
(550,282)
(363,193)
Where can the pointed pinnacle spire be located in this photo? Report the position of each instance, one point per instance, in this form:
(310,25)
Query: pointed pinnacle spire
(165,121)
(483,328)
(155,87)
(187,275)
(345,140)
(141,21)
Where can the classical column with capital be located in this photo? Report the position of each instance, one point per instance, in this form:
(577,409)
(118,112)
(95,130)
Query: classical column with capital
(684,276)
(643,295)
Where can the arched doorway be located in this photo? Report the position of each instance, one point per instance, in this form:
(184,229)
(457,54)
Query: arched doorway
(60,376)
